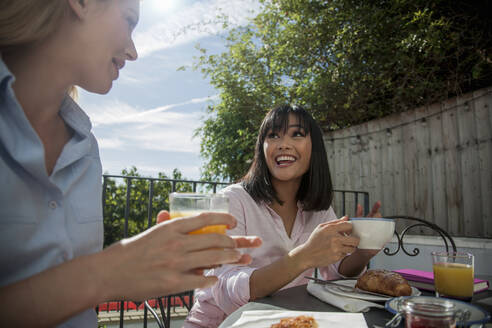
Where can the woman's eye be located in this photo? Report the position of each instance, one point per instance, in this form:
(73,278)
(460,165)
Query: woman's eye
(131,23)
(299,134)
(272,135)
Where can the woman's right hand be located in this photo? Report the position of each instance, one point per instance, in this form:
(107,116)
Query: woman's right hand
(165,259)
(327,244)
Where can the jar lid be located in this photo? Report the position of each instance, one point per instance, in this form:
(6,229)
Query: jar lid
(428,306)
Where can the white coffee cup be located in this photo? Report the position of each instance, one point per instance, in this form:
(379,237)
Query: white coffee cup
(373,233)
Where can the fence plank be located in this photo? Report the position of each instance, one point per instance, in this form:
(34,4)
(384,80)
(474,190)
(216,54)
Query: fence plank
(397,157)
(342,167)
(331,153)
(375,188)
(410,160)
(386,173)
(452,166)
(354,168)
(470,178)
(438,169)
(366,177)
(424,168)
(483,121)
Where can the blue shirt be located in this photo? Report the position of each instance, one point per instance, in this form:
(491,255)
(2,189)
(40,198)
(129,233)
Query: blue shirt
(46,220)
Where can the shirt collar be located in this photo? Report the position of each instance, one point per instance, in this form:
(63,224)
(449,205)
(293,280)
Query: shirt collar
(5,74)
(75,117)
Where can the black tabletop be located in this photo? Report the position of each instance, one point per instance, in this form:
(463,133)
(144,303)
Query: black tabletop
(298,299)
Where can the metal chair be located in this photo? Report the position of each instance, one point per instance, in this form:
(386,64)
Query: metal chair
(447,239)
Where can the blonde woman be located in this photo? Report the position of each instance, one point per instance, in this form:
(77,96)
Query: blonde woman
(53,269)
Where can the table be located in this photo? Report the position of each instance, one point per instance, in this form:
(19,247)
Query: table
(298,299)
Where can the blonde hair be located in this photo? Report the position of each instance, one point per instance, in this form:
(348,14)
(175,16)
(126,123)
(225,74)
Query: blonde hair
(25,22)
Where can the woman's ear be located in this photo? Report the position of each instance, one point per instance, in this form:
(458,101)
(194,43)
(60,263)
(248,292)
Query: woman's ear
(79,7)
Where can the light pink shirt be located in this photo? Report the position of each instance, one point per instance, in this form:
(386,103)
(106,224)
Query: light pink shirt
(212,305)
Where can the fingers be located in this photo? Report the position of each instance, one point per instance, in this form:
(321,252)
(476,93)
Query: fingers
(341,220)
(342,227)
(374,213)
(203,241)
(244,260)
(201,220)
(247,241)
(359,213)
(163,216)
(350,241)
(347,249)
(375,210)
(210,257)
(191,243)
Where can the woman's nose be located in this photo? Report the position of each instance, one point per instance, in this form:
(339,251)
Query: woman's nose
(284,143)
(131,51)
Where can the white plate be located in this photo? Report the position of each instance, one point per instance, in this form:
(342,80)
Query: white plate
(477,315)
(265,319)
(351,283)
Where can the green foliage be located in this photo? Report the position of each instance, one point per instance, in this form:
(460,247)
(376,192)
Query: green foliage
(138,206)
(346,61)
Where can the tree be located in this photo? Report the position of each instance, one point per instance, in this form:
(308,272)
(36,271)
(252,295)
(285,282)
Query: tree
(115,203)
(346,61)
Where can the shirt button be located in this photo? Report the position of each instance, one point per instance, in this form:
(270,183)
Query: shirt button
(53,204)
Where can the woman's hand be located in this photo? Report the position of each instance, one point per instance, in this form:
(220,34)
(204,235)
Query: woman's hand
(327,244)
(165,259)
(374,213)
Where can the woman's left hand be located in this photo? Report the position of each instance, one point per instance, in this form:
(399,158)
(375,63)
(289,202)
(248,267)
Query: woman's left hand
(374,213)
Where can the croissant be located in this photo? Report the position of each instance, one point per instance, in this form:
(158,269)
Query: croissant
(384,282)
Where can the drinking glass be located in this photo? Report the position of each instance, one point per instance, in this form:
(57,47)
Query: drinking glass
(453,274)
(190,204)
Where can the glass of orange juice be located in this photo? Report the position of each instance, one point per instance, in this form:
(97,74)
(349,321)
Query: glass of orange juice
(453,274)
(189,204)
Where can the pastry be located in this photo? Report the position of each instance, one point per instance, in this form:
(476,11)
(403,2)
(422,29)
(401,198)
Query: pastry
(384,282)
(301,321)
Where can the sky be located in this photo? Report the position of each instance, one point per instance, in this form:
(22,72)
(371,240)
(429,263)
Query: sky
(148,118)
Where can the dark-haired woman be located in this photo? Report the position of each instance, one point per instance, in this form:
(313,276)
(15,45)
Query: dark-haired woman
(285,198)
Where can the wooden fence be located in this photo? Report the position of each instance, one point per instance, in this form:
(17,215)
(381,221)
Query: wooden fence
(433,162)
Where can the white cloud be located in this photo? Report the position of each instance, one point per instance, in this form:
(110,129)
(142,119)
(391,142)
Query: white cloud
(117,112)
(110,143)
(194,22)
(175,136)
(119,126)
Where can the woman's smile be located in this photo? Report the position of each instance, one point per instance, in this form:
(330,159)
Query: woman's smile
(285,160)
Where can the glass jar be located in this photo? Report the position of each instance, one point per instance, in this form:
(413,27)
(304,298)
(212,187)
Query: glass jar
(430,312)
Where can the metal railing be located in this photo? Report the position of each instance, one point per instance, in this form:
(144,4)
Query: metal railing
(166,303)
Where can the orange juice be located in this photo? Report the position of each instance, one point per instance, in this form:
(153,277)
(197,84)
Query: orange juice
(220,228)
(453,279)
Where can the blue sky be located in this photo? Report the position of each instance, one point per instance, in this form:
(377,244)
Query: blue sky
(148,118)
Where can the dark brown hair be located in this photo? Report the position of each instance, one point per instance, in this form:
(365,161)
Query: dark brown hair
(316,191)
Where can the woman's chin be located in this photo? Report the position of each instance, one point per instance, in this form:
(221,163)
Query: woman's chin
(101,89)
